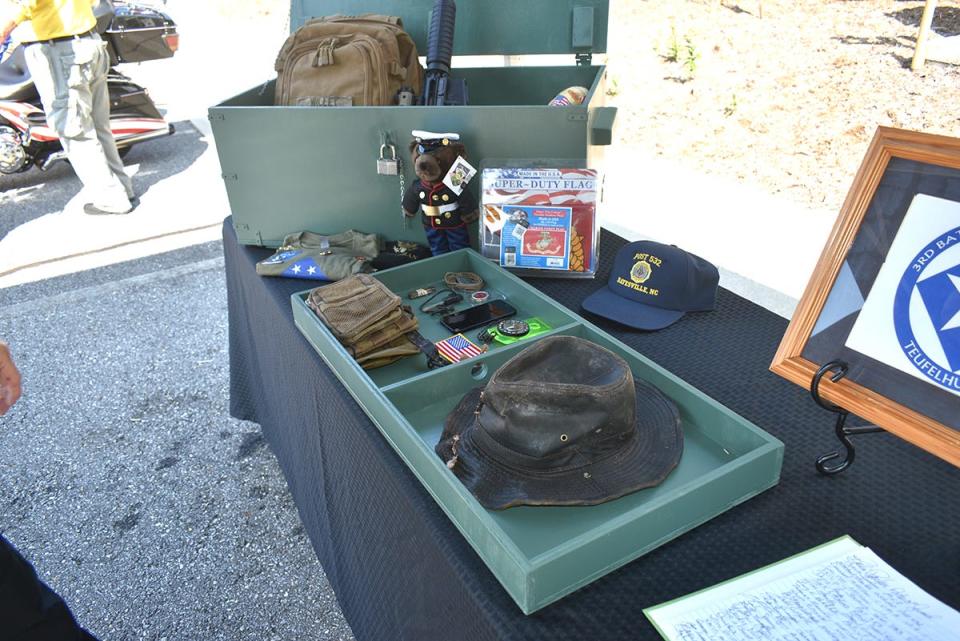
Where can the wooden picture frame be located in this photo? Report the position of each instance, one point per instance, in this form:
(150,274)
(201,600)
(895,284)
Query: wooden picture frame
(868,220)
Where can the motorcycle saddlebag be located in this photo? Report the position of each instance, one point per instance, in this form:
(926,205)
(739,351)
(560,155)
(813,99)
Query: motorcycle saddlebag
(137,33)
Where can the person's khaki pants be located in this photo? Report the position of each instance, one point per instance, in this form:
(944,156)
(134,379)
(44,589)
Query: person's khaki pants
(71,77)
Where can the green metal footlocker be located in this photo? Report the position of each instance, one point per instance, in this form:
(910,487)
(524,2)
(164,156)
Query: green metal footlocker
(540,554)
(290,169)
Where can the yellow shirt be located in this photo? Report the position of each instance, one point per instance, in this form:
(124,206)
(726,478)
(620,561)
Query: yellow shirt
(56,18)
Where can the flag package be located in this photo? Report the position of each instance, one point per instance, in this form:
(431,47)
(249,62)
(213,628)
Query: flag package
(510,194)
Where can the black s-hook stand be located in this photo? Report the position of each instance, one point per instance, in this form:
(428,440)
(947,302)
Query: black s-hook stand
(843,432)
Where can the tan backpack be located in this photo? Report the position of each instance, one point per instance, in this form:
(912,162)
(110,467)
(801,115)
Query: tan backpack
(341,61)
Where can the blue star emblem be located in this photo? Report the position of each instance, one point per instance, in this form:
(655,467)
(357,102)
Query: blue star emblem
(954,322)
(941,298)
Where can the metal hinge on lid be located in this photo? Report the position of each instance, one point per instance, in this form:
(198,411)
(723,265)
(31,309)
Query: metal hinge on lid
(582,35)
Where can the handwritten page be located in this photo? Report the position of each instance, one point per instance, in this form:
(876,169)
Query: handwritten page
(840,590)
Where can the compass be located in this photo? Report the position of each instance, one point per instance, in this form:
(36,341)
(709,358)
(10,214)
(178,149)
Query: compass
(513,328)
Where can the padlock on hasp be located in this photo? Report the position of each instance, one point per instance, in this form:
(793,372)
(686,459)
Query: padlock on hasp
(388,166)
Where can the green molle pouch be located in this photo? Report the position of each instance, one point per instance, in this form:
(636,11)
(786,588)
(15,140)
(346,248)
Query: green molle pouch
(391,353)
(383,332)
(368,319)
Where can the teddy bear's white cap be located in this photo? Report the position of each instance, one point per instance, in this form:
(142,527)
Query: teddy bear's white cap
(429,135)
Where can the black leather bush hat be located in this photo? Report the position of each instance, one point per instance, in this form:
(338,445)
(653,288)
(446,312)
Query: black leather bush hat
(561,423)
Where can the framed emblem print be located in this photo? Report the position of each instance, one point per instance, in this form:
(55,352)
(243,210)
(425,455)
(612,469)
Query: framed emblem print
(884,298)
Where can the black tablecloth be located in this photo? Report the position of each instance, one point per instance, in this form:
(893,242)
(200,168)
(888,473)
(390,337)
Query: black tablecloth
(401,570)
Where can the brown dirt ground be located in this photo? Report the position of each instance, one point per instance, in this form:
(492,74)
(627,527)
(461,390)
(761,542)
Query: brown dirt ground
(787,102)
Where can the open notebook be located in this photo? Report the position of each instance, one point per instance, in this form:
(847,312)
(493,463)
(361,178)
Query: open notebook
(839,590)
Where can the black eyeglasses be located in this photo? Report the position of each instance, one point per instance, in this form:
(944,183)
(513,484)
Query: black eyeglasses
(423,147)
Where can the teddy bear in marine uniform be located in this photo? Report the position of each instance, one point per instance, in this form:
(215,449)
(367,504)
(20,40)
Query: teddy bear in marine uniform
(444,213)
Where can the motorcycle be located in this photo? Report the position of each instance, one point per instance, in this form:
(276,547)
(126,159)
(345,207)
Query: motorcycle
(133,33)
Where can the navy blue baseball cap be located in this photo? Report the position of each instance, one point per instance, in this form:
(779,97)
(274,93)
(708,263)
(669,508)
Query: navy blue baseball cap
(653,285)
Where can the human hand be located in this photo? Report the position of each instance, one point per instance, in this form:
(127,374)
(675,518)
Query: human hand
(9,380)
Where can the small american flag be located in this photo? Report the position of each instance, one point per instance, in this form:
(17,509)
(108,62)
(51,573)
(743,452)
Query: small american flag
(457,348)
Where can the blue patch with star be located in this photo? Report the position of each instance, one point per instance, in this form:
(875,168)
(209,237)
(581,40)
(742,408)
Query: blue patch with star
(306,268)
(941,297)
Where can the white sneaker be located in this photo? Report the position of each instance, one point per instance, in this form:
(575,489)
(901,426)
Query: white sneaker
(96,210)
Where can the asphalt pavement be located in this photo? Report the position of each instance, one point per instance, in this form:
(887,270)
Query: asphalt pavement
(122,476)
(124,479)
(34,195)
(44,231)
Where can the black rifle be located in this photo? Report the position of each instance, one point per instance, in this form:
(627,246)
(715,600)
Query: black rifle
(439,52)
